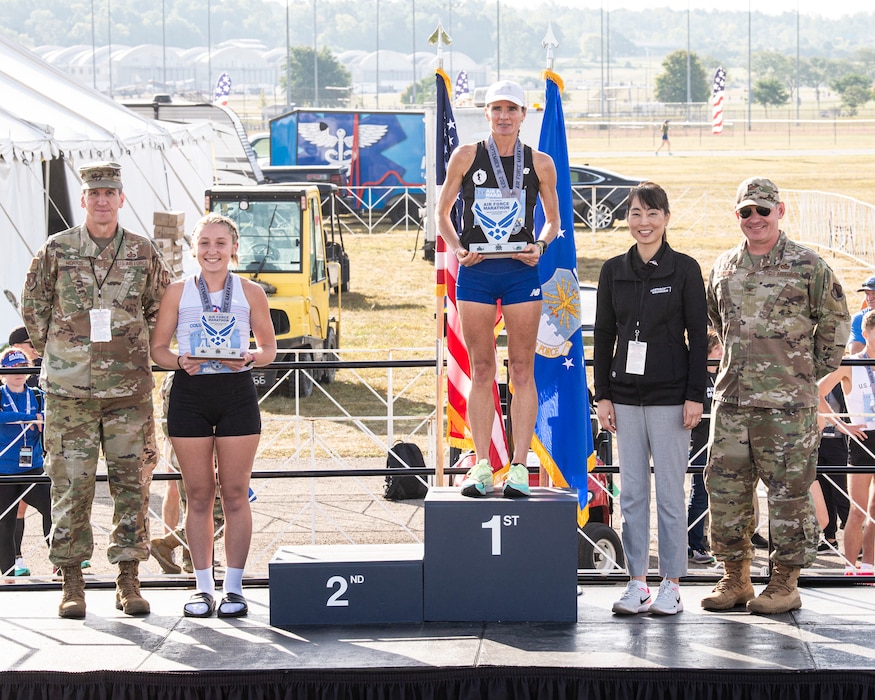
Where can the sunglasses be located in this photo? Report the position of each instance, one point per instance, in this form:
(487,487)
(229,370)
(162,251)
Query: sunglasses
(747,212)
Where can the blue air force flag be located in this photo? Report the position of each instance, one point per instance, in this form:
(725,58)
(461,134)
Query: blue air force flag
(563,431)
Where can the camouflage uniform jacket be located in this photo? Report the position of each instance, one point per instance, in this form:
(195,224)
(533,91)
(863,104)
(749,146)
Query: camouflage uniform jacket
(60,290)
(783,322)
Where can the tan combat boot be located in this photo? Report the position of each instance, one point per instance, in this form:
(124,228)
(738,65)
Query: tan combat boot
(73,585)
(781,595)
(127,590)
(733,589)
(162,551)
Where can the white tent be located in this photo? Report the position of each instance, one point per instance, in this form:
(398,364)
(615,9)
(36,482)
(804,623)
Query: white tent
(50,125)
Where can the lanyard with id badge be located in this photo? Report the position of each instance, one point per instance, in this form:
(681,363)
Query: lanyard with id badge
(101,318)
(25,453)
(636,356)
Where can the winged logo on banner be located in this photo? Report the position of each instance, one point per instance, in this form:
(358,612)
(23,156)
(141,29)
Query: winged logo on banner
(503,227)
(338,145)
(218,336)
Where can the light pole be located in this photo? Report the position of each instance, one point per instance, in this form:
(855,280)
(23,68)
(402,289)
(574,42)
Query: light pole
(689,88)
(288,61)
(413,95)
(93,50)
(749,91)
(163,44)
(798,96)
(377,86)
(315,62)
(498,39)
(209,50)
(109,42)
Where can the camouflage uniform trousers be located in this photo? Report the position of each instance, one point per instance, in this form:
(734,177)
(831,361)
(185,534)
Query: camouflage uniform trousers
(75,431)
(778,446)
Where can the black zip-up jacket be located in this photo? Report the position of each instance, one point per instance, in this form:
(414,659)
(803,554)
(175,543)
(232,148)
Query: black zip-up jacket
(665,303)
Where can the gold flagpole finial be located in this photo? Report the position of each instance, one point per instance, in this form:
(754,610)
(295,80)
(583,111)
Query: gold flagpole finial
(441,38)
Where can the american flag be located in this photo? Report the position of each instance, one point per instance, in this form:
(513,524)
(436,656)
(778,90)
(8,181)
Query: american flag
(223,89)
(447,269)
(717,101)
(462,90)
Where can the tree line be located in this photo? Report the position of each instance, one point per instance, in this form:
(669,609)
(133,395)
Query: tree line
(777,78)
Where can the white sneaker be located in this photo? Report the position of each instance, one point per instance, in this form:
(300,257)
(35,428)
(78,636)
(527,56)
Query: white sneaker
(668,600)
(636,599)
(478,480)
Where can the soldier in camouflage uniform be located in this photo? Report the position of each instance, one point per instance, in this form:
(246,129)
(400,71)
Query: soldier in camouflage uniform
(90,301)
(783,320)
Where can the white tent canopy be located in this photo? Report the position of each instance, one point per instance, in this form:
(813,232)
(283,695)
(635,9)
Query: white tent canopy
(47,117)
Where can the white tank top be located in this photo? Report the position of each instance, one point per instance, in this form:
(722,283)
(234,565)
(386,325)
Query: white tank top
(189,330)
(861,400)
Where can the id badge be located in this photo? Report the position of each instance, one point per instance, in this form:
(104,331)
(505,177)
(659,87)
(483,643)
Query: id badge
(636,357)
(25,457)
(101,325)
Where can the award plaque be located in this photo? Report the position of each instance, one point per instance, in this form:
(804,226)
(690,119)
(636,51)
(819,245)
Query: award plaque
(215,343)
(499,218)
(498,250)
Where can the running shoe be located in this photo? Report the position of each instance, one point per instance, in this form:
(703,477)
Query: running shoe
(700,556)
(635,599)
(478,480)
(516,485)
(668,600)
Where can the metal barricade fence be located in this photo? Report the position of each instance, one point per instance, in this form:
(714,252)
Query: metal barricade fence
(319,474)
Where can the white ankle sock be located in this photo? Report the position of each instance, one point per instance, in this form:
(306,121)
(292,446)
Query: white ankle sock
(204,581)
(233,581)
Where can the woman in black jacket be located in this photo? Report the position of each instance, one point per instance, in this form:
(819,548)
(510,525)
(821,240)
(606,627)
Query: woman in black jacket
(650,351)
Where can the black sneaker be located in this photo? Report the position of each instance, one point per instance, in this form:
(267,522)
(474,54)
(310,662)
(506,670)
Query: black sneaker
(826,545)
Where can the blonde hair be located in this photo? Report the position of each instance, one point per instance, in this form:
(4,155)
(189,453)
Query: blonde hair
(209,219)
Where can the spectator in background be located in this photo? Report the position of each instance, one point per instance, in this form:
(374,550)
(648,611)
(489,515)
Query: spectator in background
(833,452)
(21,454)
(666,142)
(20,340)
(858,385)
(697,549)
(856,342)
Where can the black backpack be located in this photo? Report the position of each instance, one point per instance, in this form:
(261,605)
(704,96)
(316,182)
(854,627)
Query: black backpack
(404,455)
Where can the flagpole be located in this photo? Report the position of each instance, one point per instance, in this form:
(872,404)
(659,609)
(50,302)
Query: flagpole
(439,37)
(549,43)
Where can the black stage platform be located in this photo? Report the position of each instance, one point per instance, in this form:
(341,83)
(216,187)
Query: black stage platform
(825,651)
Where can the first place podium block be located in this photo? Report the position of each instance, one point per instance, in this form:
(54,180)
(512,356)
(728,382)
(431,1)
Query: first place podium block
(500,559)
(346,584)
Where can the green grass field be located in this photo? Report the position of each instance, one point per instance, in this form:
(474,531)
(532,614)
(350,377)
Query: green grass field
(392,304)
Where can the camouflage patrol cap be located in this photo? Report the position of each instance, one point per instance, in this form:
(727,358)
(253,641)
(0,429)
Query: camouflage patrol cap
(758,192)
(105,174)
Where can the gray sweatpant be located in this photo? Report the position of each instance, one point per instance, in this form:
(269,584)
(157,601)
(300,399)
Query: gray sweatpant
(657,433)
